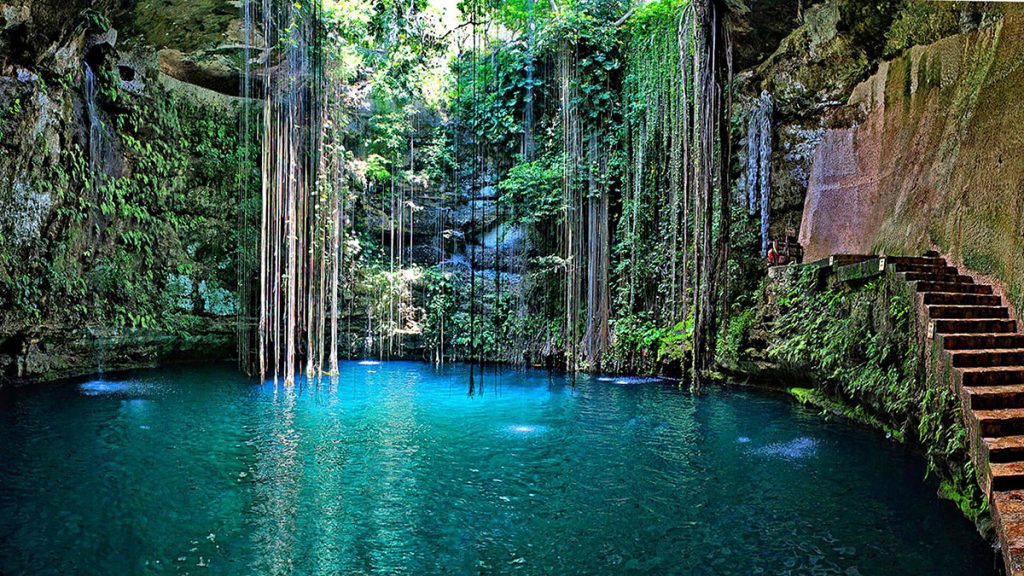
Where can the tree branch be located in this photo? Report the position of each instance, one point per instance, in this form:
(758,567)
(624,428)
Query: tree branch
(450,32)
(625,17)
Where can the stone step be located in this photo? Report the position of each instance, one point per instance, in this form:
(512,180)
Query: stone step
(981,341)
(926,286)
(987,357)
(944,312)
(991,376)
(961,299)
(937,277)
(912,260)
(847,259)
(975,326)
(995,397)
(970,323)
(1008,512)
(934,267)
(1006,475)
(1000,423)
(1005,449)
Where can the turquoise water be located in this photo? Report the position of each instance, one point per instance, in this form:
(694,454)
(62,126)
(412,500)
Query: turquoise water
(395,469)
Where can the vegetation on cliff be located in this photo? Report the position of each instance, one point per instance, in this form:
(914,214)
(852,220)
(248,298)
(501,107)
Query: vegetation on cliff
(142,236)
(856,353)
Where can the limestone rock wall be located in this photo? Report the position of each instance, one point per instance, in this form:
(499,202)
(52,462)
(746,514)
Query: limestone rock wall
(935,161)
(834,46)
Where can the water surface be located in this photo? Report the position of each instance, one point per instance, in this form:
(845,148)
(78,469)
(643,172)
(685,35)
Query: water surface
(395,469)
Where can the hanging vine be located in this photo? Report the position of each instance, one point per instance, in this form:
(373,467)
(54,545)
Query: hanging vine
(673,233)
(605,132)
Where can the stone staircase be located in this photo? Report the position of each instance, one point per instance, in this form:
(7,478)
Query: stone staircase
(977,349)
(983,352)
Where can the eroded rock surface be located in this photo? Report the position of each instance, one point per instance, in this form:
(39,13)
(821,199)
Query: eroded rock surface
(936,160)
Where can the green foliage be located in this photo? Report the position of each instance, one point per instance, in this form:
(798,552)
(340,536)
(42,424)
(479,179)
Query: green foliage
(377,168)
(489,96)
(641,345)
(733,338)
(649,254)
(652,16)
(391,50)
(595,46)
(440,304)
(532,191)
(439,159)
(804,395)
(861,346)
(97,19)
(119,245)
(921,23)
(10,115)
(866,23)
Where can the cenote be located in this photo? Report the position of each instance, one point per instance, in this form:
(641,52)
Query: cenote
(394,468)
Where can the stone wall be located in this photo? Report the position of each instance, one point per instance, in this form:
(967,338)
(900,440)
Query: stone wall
(834,46)
(935,161)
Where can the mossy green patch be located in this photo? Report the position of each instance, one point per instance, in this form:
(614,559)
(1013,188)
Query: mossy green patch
(804,395)
(859,350)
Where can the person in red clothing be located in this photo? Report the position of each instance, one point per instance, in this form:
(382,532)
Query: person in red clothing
(773,256)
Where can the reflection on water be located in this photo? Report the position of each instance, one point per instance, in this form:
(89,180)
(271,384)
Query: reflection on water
(522,430)
(396,470)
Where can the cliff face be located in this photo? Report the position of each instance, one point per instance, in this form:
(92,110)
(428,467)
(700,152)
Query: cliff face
(935,161)
(119,183)
(809,76)
(118,190)
(837,45)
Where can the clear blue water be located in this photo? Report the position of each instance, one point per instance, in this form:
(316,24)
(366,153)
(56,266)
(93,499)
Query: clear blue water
(395,469)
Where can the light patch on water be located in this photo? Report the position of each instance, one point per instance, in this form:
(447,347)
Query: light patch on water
(634,380)
(369,363)
(795,449)
(743,440)
(526,429)
(629,380)
(102,388)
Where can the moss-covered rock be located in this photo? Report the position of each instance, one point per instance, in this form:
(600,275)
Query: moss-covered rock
(860,353)
(118,204)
